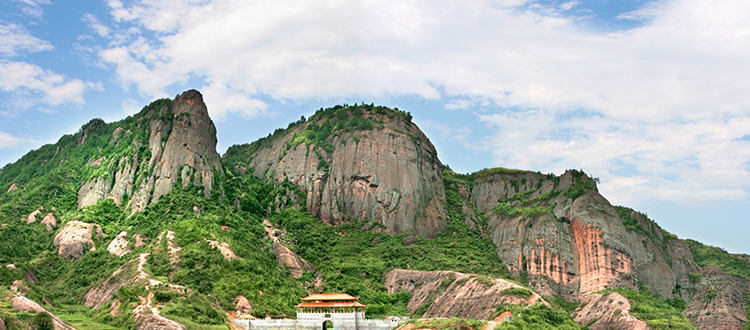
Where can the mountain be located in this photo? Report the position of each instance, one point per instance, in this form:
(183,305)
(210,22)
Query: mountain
(369,163)
(140,224)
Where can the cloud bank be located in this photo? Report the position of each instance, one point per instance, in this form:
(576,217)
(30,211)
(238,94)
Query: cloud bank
(658,111)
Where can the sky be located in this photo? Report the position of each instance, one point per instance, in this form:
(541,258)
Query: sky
(650,96)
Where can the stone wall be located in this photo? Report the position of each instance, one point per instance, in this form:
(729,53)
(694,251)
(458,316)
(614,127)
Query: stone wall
(341,321)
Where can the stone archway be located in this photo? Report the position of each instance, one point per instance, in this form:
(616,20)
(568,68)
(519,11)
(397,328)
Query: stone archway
(327,325)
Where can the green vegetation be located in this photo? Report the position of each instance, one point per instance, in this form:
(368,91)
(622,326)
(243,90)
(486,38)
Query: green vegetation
(516,291)
(656,312)
(488,172)
(560,302)
(354,261)
(705,255)
(446,324)
(539,316)
(524,212)
(578,189)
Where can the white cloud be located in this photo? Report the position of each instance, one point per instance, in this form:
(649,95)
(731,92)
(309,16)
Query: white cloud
(33,7)
(648,11)
(668,97)
(222,100)
(15,39)
(27,83)
(93,22)
(10,141)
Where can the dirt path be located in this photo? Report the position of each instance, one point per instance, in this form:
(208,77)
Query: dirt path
(490,325)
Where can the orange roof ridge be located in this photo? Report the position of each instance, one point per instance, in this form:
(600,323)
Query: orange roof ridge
(329,296)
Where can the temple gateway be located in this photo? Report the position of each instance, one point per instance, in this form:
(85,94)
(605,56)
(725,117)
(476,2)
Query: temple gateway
(323,312)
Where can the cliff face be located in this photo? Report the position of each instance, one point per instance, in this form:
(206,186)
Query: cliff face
(453,294)
(387,172)
(181,146)
(573,242)
(718,301)
(579,245)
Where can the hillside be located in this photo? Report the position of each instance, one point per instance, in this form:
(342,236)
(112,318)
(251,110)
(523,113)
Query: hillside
(139,224)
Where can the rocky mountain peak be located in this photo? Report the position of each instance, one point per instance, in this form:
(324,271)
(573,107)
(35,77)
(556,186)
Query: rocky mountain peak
(355,163)
(181,147)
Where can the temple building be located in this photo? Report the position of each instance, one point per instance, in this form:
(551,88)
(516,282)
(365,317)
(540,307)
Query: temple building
(324,311)
(330,303)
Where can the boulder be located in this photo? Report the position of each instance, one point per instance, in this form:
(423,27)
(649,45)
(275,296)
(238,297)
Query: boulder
(296,264)
(119,245)
(49,221)
(243,306)
(32,216)
(75,239)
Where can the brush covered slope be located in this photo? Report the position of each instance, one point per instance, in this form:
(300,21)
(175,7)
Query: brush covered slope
(138,224)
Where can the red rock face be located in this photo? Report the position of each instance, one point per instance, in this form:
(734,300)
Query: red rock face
(600,267)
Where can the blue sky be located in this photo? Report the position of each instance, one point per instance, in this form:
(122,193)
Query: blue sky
(649,96)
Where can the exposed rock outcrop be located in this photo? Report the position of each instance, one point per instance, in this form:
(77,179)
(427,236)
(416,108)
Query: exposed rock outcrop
(130,274)
(192,142)
(124,177)
(119,245)
(718,302)
(296,264)
(32,216)
(93,191)
(27,305)
(147,320)
(453,294)
(90,127)
(243,306)
(182,146)
(49,221)
(609,311)
(224,248)
(76,238)
(389,175)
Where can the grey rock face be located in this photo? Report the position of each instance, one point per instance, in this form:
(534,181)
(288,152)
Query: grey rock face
(93,191)
(184,148)
(389,175)
(718,302)
(192,143)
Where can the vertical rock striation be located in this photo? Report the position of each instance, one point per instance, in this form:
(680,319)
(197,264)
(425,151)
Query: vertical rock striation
(181,147)
(389,174)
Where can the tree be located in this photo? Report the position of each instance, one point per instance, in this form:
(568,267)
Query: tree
(43,321)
